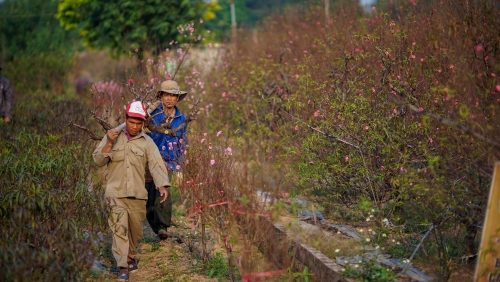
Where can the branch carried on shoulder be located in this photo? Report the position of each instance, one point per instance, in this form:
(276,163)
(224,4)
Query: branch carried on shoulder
(165,128)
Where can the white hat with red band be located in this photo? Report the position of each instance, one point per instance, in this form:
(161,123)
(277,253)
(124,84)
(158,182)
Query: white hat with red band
(136,109)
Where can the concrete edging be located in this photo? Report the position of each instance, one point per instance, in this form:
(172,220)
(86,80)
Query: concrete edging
(283,252)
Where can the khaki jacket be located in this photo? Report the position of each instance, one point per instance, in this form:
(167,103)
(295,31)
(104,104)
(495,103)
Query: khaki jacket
(127,164)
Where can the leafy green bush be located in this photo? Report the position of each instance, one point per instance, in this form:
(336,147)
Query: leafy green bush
(369,271)
(218,267)
(50,209)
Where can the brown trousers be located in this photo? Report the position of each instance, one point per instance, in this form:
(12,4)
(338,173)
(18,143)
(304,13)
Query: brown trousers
(125,221)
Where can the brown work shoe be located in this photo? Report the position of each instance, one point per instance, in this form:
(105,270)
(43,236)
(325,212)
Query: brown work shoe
(162,234)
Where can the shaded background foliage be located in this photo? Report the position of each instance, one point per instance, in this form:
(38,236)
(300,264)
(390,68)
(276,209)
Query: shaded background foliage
(122,26)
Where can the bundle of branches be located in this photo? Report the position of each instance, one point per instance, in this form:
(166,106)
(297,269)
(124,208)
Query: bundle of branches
(106,109)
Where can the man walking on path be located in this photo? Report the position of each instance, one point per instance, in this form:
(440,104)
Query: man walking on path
(172,150)
(126,153)
(5,98)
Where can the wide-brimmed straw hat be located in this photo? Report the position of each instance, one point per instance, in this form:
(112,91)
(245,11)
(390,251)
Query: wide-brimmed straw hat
(170,86)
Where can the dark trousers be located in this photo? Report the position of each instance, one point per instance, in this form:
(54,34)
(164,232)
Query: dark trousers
(159,215)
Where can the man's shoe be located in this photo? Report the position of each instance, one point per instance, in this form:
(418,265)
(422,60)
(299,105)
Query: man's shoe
(122,276)
(132,266)
(162,234)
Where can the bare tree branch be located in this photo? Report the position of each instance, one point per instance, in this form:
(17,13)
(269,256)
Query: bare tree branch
(90,133)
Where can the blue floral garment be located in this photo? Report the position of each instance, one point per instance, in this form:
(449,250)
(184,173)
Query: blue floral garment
(172,148)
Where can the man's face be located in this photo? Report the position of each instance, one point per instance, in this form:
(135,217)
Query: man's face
(169,100)
(134,126)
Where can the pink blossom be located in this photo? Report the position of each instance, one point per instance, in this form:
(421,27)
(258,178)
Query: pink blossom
(178,167)
(219,133)
(163,148)
(452,67)
(130,81)
(346,158)
(316,113)
(412,56)
(497,87)
(430,140)
(204,134)
(382,167)
(181,140)
(187,161)
(212,162)
(296,127)
(136,50)
(367,127)
(202,140)
(229,151)
(209,148)
(479,48)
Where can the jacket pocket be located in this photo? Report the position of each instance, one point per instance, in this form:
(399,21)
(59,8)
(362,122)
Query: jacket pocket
(118,153)
(137,152)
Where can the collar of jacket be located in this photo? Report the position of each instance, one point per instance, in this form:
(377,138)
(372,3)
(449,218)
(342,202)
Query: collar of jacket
(141,134)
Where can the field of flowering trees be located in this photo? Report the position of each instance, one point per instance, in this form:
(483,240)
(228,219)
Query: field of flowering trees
(395,110)
(385,119)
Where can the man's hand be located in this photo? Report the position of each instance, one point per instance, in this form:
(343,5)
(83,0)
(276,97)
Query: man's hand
(112,134)
(163,193)
(7,119)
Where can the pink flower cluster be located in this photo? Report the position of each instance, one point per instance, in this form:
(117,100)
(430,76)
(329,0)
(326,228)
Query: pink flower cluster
(111,88)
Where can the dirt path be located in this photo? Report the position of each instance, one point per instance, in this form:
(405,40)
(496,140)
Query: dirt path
(165,261)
